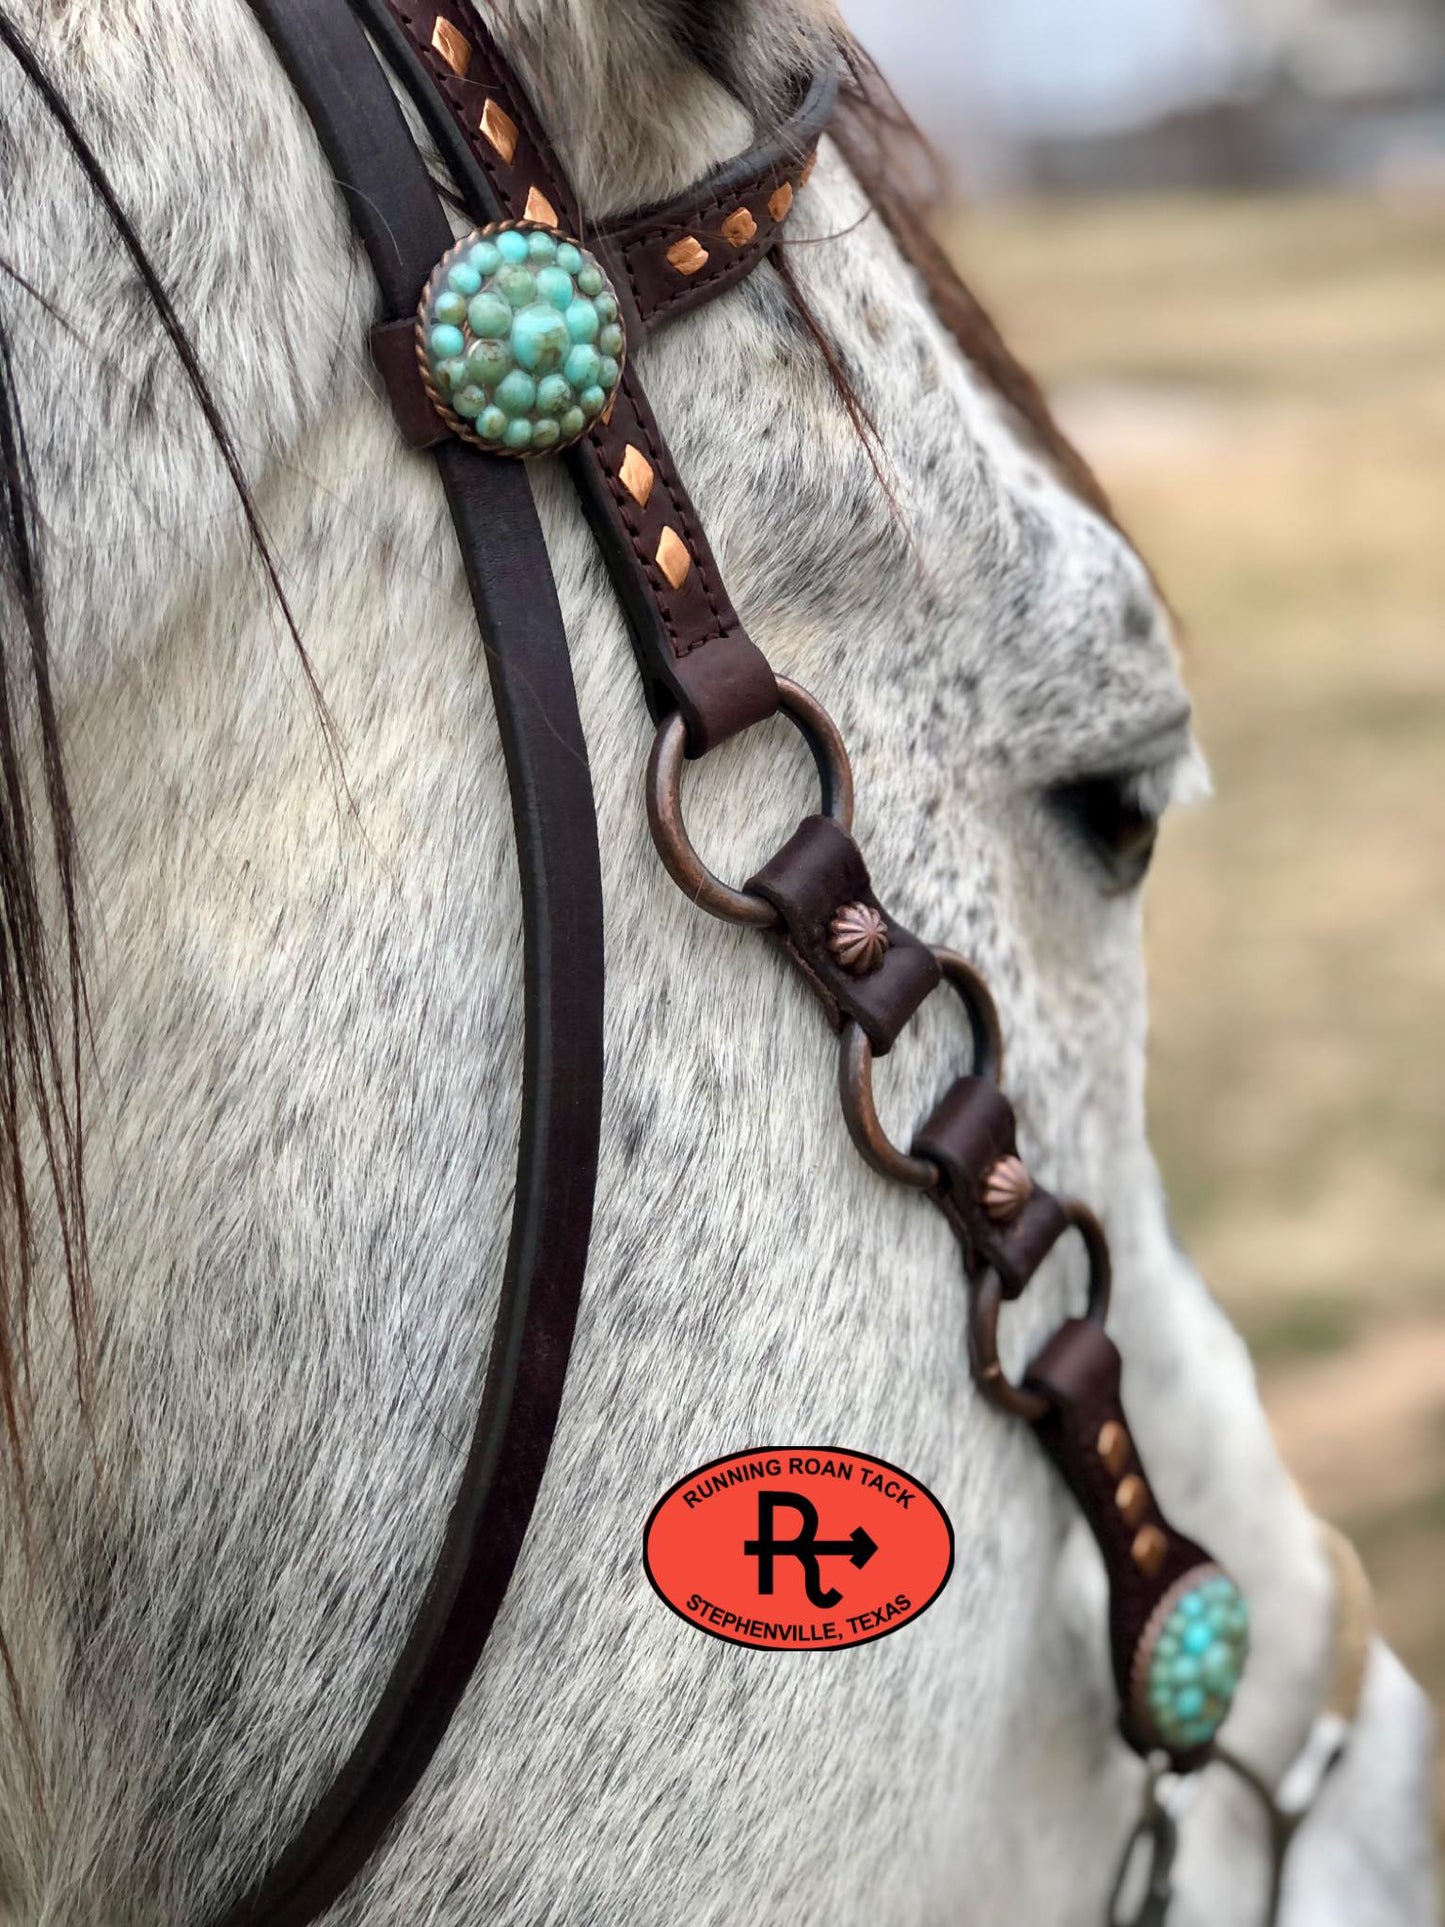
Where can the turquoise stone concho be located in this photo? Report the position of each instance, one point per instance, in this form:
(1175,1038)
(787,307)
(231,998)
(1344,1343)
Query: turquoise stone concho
(519,339)
(1190,1659)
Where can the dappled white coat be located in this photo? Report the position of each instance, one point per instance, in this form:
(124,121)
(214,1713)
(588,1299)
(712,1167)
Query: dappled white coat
(307,1024)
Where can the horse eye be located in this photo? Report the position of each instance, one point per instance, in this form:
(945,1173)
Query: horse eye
(1109,817)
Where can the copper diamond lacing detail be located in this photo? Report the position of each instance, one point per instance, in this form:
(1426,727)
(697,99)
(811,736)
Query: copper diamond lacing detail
(858,938)
(1006,1190)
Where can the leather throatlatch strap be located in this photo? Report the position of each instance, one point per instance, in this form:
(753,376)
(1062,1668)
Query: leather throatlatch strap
(721,229)
(695,657)
(693,652)
(402,224)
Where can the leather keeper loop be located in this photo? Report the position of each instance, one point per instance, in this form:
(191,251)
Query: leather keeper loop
(818,872)
(719,691)
(969,1133)
(393,350)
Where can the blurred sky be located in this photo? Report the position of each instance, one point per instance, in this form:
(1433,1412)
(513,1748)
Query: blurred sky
(975,69)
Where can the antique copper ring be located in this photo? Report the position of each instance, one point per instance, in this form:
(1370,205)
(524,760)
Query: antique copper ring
(981,1011)
(664,804)
(855,1076)
(986,1301)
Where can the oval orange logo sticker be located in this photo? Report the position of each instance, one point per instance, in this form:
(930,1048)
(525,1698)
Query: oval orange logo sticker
(792,1548)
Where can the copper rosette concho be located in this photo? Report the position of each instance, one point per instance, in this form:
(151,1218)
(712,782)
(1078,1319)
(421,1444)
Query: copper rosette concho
(1007,1189)
(858,938)
(519,339)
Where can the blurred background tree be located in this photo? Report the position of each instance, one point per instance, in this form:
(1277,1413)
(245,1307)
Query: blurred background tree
(1216,229)
(1133,94)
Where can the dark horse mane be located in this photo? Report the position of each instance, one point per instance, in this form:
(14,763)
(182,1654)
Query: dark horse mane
(44,1026)
(42,996)
(906,185)
(44,1014)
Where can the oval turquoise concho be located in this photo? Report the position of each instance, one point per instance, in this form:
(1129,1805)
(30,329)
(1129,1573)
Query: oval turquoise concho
(519,339)
(1189,1660)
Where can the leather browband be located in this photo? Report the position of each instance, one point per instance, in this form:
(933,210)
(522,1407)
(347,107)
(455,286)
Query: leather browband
(736,215)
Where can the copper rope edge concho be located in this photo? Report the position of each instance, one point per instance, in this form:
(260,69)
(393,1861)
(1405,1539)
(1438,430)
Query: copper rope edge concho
(520,345)
(519,340)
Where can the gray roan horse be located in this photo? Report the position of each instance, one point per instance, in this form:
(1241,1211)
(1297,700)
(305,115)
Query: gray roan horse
(261,991)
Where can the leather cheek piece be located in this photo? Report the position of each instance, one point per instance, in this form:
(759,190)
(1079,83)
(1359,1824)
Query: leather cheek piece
(693,652)
(691,647)
(970,1129)
(1079,1372)
(817,873)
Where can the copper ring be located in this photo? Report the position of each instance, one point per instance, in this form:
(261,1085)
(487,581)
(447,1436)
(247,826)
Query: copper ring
(664,804)
(987,1301)
(855,1077)
(981,1011)
(860,1114)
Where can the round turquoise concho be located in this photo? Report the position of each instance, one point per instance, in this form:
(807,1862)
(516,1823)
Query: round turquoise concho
(1190,1660)
(519,339)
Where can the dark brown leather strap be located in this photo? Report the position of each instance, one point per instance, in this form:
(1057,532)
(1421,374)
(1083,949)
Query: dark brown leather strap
(1086,1434)
(687,251)
(398,215)
(393,349)
(861,962)
(971,1137)
(470,73)
(672,257)
(693,651)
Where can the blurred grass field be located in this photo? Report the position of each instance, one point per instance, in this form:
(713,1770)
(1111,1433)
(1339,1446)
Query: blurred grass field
(1260,382)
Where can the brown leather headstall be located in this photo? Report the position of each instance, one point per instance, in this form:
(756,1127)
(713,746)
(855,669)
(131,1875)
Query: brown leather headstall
(693,652)
(1178,1625)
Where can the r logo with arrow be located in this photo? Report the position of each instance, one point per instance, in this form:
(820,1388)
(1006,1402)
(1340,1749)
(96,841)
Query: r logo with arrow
(807,1548)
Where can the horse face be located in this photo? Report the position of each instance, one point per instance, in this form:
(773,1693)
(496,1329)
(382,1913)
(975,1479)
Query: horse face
(308,1041)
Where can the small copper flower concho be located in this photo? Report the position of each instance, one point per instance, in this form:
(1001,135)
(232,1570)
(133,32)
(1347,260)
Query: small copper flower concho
(1006,1190)
(858,937)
